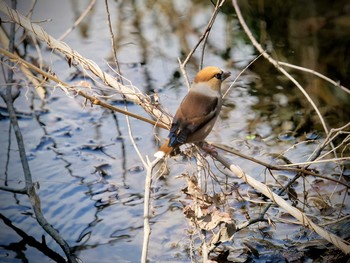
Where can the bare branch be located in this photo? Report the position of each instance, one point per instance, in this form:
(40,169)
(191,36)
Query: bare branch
(207,30)
(129,92)
(78,21)
(276,64)
(336,84)
(29,186)
(265,190)
(38,86)
(93,100)
(114,51)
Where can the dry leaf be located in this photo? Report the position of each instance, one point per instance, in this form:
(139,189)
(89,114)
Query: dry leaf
(225,234)
(210,221)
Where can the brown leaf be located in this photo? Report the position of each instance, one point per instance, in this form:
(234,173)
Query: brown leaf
(210,221)
(225,234)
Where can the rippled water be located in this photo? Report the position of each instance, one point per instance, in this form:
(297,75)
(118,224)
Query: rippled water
(89,178)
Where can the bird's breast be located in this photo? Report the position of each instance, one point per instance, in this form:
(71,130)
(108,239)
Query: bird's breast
(205,89)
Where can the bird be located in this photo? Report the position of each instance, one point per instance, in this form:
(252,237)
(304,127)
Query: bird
(198,111)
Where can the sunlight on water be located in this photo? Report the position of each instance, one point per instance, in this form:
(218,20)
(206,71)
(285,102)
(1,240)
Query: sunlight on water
(90,180)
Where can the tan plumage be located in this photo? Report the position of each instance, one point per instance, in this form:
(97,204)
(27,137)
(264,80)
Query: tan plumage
(198,111)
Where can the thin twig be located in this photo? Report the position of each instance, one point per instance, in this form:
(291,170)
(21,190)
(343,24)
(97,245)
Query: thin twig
(114,51)
(30,11)
(208,28)
(184,74)
(78,21)
(334,133)
(317,161)
(134,143)
(275,63)
(267,165)
(129,92)
(240,73)
(29,186)
(336,84)
(146,208)
(265,190)
(147,196)
(204,37)
(93,99)
(38,86)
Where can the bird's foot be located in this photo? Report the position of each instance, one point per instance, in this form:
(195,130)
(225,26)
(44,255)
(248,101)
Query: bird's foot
(209,149)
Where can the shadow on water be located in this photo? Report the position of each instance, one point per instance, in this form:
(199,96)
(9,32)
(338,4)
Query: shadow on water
(91,181)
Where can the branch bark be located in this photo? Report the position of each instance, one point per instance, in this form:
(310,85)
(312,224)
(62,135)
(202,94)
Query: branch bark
(275,63)
(300,216)
(129,92)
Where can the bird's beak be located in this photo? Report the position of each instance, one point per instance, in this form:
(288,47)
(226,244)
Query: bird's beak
(225,75)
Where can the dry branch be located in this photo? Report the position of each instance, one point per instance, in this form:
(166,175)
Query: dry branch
(132,94)
(129,92)
(336,84)
(29,185)
(76,90)
(265,190)
(289,167)
(78,21)
(38,86)
(204,38)
(275,63)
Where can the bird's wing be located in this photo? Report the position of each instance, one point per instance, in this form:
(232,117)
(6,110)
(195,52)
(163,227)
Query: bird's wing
(195,111)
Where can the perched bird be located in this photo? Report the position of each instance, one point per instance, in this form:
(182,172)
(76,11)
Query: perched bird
(198,111)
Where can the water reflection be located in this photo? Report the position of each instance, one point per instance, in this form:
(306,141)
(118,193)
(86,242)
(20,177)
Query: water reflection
(94,194)
(312,35)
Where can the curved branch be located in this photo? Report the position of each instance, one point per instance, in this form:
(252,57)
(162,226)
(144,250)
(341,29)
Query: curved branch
(78,21)
(265,190)
(276,63)
(287,167)
(318,74)
(130,92)
(93,100)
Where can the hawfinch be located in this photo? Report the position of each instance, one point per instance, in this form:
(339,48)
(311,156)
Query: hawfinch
(198,111)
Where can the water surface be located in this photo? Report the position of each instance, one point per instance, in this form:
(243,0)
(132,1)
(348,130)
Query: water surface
(91,181)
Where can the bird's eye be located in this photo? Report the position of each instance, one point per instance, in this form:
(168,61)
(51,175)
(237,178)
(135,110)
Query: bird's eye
(218,76)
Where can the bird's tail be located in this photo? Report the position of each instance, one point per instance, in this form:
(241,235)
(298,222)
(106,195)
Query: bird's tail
(163,150)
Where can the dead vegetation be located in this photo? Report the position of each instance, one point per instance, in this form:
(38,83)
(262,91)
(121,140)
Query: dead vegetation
(218,202)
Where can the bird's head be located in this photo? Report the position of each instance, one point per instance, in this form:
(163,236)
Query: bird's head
(212,75)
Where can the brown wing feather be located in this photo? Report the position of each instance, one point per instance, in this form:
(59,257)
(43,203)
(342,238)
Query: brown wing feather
(195,117)
(188,119)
